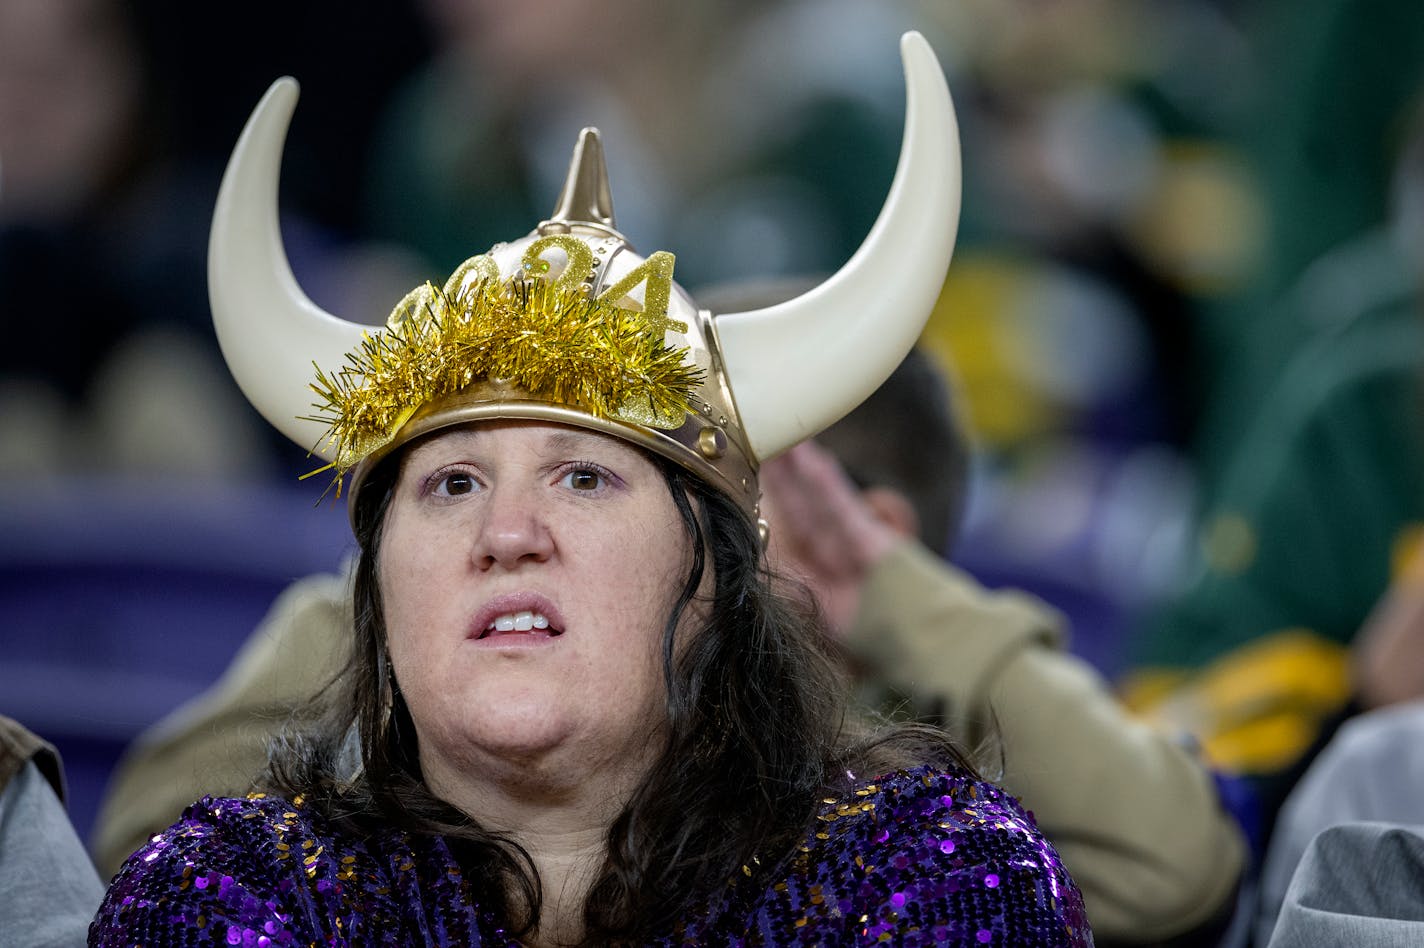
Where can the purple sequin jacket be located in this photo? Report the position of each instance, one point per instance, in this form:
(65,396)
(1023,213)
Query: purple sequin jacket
(917,858)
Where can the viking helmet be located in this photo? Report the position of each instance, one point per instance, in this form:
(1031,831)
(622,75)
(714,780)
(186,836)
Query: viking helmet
(568,324)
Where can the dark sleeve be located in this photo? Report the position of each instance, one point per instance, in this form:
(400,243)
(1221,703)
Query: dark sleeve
(216,877)
(20,746)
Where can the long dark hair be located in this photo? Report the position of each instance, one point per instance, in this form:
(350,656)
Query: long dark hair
(758,732)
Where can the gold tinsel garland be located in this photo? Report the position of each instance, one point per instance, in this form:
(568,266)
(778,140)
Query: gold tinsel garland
(558,346)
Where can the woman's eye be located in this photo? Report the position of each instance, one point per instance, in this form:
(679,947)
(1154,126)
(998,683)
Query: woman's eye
(454,484)
(583,479)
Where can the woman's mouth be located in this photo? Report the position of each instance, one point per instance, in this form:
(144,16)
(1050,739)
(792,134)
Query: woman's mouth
(523,622)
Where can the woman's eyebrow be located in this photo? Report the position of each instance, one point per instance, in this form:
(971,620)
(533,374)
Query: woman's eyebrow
(568,441)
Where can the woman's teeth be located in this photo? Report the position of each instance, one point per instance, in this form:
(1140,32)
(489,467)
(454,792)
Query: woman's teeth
(522,621)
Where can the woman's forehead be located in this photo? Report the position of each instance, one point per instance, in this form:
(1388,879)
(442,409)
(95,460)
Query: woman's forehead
(543,436)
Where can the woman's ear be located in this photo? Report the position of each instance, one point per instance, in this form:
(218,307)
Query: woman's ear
(893,509)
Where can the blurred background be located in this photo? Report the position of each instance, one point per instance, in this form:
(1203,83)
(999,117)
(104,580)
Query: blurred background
(1166,202)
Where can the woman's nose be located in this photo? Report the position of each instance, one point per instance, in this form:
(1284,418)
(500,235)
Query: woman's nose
(514,531)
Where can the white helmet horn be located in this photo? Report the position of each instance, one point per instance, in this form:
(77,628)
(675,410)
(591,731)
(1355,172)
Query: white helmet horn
(798,367)
(269,331)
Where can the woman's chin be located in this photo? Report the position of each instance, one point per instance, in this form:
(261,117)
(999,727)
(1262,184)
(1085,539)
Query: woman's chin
(519,728)
(542,743)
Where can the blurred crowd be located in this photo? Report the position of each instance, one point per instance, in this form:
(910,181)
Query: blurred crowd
(1182,323)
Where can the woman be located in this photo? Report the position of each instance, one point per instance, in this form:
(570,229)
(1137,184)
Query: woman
(579,711)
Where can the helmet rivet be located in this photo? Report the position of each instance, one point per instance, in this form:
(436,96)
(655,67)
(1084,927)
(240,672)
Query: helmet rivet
(712,443)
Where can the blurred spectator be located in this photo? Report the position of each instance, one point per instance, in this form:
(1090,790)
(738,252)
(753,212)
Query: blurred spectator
(1317,510)
(99,284)
(111,386)
(48,887)
(1358,884)
(1388,654)
(1300,542)
(1099,191)
(1338,82)
(1338,85)
(1098,129)
(1373,771)
(1153,851)
(104,191)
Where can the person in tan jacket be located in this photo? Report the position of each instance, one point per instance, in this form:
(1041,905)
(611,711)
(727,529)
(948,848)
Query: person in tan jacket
(1134,814)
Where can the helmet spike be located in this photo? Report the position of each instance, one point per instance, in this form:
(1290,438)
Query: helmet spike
(586,196)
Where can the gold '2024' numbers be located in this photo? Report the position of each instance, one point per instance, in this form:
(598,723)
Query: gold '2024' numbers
(656,272)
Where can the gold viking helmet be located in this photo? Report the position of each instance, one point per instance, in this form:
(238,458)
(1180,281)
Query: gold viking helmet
(568,324)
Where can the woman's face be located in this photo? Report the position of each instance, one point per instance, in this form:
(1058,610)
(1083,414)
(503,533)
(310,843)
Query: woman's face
(527,571)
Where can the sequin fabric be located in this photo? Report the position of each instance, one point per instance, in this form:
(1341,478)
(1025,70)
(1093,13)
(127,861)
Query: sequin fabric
(916,858)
